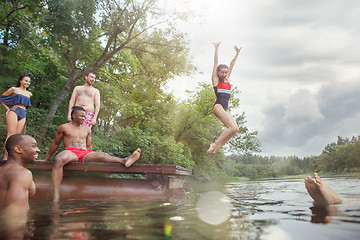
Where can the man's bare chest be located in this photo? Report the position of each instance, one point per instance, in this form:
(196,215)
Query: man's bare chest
(77,133)
(83,92)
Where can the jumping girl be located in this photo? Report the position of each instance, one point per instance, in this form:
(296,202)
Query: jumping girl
(16,100)
(222,87)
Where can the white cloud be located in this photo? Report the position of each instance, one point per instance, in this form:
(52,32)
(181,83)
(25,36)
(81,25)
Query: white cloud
(305,122)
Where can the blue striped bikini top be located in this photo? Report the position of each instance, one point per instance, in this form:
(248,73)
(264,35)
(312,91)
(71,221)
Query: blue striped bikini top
(16,99)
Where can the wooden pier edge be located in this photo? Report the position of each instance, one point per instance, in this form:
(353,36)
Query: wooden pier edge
(95,180)
(113,168)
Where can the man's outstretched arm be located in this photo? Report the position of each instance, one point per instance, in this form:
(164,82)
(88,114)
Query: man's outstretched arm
(55,144)
(97,107)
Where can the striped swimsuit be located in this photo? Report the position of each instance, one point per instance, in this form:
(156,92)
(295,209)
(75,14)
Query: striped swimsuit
(222,92)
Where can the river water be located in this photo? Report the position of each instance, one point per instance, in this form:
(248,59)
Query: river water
(268,209)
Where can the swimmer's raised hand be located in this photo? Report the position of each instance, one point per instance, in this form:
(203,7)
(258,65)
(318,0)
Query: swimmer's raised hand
(216,44)
(237,49)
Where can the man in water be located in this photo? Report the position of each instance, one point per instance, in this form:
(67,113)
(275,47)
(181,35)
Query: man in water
(16,185)
(88,97)
(77,142)
(322,194)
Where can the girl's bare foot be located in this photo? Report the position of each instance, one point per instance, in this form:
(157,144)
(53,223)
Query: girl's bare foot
(211,148)
(216,149)
(320,192)
(133,157)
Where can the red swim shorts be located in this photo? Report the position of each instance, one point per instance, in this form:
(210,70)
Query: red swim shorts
(80,153)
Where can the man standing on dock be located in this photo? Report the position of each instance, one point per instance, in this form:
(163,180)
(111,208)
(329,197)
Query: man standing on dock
(77,142)
(16,185)
(88,97)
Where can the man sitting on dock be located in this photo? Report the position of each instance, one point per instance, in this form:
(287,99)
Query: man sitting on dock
(77,142)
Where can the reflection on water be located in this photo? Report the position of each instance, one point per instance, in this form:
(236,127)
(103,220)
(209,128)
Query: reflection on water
(273,209)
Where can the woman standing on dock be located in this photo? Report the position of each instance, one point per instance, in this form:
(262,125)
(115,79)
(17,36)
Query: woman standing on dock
(16,100)
(222,87)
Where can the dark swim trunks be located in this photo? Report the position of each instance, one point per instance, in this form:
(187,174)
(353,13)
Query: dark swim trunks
(21,113)
(80,153)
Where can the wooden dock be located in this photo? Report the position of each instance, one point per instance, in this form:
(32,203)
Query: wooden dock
(103,180)
(114,168)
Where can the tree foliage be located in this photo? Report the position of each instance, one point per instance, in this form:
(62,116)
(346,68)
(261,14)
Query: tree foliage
(255,166)
(342,156)
(90,33)
(244,142)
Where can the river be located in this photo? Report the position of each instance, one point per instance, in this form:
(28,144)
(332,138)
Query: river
(268,209)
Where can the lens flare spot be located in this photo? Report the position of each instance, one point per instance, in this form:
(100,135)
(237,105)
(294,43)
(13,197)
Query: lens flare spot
(213,207)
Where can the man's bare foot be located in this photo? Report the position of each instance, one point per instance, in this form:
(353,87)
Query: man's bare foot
(56,198)
(211,148)
(320,192)
(133,157)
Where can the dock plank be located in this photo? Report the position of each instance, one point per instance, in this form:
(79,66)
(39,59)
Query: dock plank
(113,167)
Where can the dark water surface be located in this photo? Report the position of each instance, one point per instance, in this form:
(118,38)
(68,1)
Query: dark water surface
(272,209)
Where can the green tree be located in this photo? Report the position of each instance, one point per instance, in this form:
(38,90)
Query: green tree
(88,33)
(244,142)
(197,127)
(353,162)
(24,51)
(339,156)
(136,110)
(17,18)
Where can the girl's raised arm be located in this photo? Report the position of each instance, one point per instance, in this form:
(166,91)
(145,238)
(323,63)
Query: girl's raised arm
(232,63)
(214,77)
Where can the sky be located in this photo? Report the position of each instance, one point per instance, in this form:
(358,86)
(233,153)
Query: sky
(298,70)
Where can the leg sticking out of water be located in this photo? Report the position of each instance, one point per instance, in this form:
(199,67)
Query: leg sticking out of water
(321,193)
